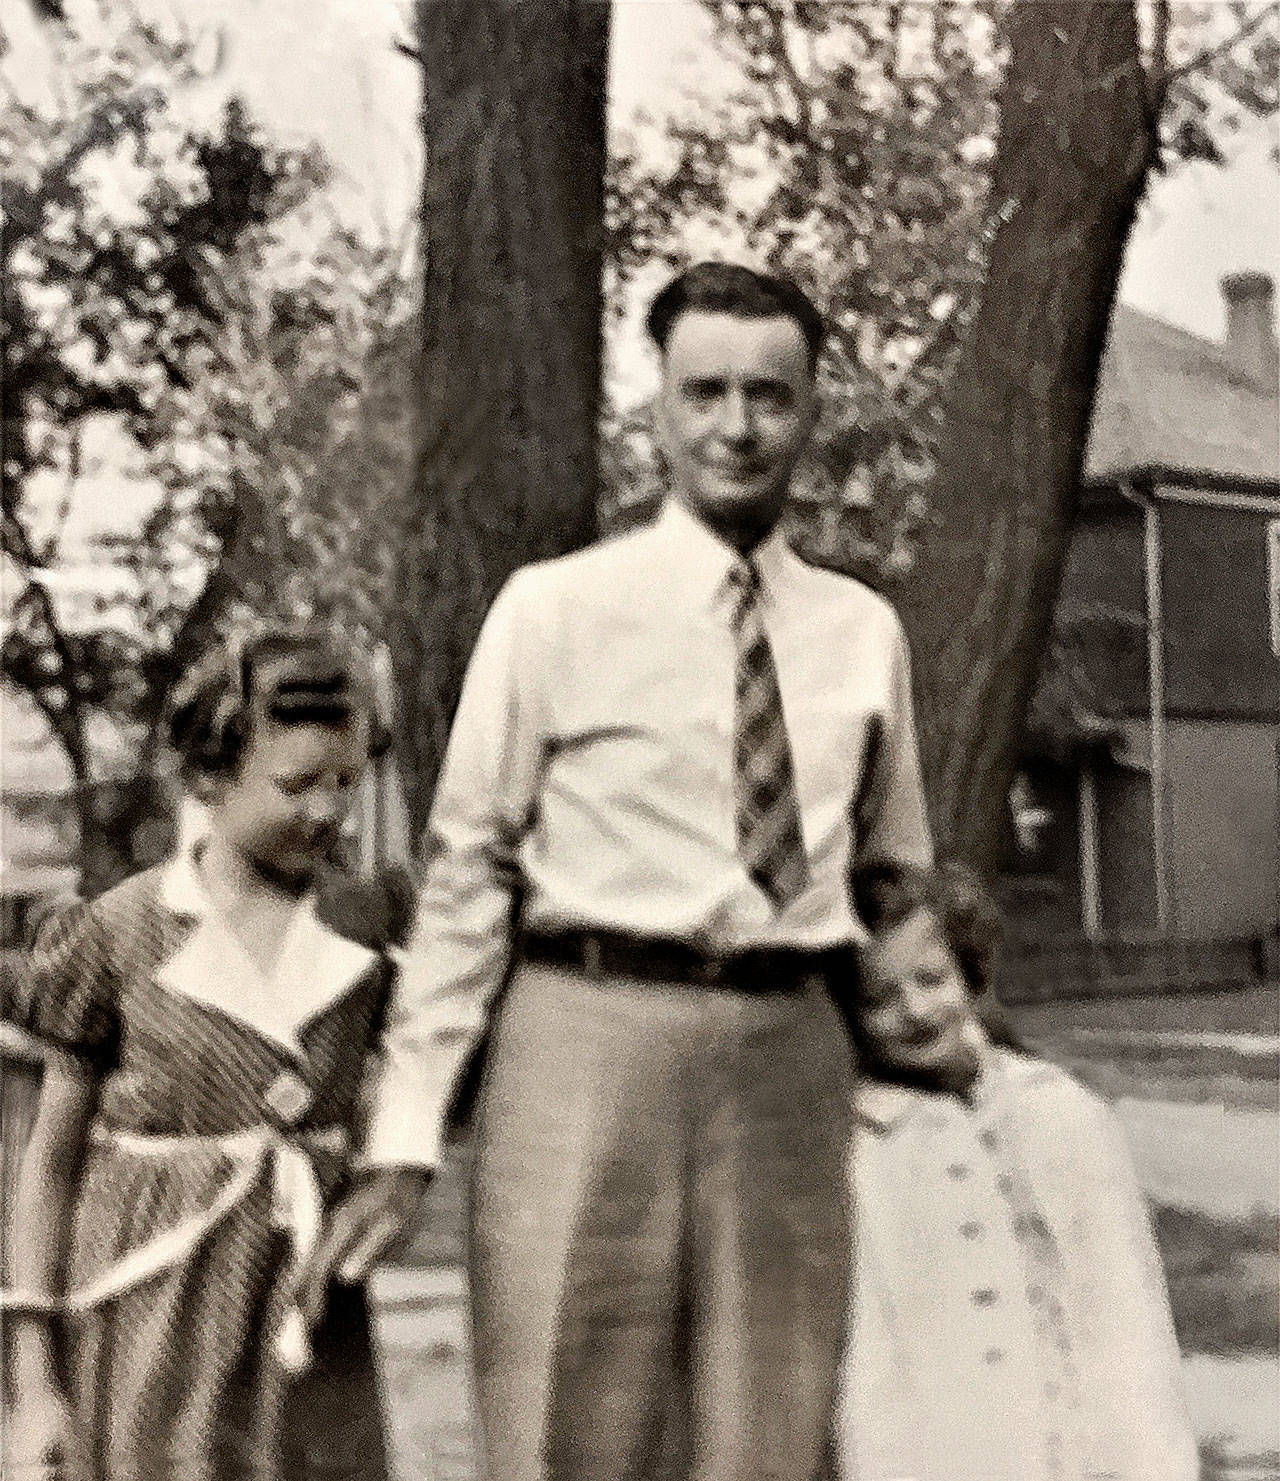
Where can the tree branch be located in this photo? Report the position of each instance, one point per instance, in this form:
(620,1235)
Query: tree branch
(1222,48)
(68,723)
(781,54)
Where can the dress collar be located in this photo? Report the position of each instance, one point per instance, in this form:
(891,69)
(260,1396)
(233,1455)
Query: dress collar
(314,969)
(700,557)
(881,1105)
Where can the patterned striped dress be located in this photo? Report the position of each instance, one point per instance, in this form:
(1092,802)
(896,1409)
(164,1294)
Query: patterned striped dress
(227,1109)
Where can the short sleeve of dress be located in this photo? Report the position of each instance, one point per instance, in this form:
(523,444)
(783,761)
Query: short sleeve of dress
(68,992)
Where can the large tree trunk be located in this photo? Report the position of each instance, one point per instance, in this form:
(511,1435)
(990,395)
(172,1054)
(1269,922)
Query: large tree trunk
(514,121)
(1076,144)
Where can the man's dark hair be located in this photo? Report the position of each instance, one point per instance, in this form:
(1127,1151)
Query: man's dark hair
(729,288)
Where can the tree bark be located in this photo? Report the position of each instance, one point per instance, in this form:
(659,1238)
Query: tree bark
(1077,140)
(514,121)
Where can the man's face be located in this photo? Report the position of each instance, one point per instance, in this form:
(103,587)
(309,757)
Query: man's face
(735,411)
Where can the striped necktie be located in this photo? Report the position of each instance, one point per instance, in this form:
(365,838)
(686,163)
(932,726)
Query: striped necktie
(767,813)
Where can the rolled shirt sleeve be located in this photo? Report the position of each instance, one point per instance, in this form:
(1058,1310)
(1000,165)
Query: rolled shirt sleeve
(458,954)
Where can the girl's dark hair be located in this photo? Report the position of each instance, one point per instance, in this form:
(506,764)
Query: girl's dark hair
(885,893)
(281,676)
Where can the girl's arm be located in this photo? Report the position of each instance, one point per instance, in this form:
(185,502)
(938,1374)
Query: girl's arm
(47,1186)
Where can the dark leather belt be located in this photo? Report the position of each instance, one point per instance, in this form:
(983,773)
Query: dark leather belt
(657,959)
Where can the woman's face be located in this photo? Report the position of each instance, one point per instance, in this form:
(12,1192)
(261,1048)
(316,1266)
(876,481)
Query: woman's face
(914,1006)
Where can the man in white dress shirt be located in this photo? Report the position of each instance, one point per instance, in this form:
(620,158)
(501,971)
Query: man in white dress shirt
(667,749)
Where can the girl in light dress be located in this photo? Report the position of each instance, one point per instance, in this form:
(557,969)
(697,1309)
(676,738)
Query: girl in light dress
(209,1023)
(1009,1316)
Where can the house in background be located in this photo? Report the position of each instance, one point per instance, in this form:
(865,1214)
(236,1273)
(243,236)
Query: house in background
(1149,800)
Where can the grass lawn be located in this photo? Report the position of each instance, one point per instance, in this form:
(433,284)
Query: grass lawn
(1224,1280)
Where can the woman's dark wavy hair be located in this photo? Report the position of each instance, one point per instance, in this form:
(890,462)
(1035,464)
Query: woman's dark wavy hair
(885,893)
(282,675)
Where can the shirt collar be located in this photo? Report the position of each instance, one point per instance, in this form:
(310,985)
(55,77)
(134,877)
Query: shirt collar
(315,968)
(705,560)
(882,1104)
(182,892)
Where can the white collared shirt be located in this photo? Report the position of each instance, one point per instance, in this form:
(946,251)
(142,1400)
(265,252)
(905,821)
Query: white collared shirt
(591,763)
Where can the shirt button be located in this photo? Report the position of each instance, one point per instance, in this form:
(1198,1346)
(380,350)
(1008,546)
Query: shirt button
(971,1229)
(984,1296)
(1005,1183)
(958,1171)
(993,1355)
(988,1138)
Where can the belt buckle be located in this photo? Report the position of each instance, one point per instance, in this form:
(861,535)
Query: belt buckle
(592,956)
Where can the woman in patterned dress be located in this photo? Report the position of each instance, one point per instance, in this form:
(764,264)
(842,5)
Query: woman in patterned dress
(209,1030)
(1009,1318)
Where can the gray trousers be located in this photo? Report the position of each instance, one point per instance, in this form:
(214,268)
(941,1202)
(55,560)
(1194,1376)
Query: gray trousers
(659,1231)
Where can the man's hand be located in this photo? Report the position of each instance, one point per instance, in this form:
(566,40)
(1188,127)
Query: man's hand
(377,1210)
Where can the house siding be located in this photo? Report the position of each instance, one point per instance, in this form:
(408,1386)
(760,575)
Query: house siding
(1224,817)
(1218,658)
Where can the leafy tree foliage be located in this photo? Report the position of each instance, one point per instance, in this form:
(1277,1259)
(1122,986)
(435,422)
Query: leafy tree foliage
(153,303)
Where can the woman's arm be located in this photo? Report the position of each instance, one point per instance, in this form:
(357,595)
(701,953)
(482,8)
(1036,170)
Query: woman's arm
(46,1192)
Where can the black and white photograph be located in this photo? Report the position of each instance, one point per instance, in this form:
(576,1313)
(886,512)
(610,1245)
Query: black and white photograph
(640,740)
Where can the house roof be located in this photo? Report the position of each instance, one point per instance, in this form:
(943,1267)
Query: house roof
(1169,399)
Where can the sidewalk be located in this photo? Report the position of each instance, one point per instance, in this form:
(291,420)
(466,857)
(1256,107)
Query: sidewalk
(1250,1045)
